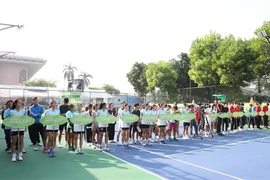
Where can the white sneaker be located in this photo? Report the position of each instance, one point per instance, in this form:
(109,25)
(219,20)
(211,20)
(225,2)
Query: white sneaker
(35,148)
(77,151)
(14,157)
(66,143)
(59,145)
(38,144)
(20,156)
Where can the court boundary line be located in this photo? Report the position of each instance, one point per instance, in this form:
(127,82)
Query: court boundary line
(214,147)
(136,166)
(190,164)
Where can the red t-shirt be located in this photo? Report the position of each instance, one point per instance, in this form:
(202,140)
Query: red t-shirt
(265,109)
(236,109)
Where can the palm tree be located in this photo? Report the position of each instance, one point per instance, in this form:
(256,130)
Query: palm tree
(69,72)
(85,76)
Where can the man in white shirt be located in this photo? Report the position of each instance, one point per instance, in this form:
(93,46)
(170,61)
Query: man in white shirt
(120,111)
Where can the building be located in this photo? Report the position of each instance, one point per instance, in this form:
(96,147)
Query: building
(17,69)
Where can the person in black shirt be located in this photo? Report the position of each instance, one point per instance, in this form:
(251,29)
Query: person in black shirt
(220,109)
(111,127)
(64,108)
(89,126)
(225,120)
(137,112)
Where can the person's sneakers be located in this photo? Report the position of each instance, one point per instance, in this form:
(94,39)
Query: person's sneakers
(24,151)
(53,153)
(107,148)
(48,153)
(9,151)
(38,144)
(77,151)
(14,157)
(45,150)
(66,143)
(35,148)
(81,151)
(59,145)
(20,156)
(100,148)
(72,148)
(31,144)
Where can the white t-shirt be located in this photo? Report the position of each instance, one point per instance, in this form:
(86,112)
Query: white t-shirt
(207,111)
(50,112)
(144,112)
(124,124)
(159,122)
(17,113)
(78,127)
(100,113)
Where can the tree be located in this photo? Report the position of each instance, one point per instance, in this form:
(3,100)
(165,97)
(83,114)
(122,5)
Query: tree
(39,83)
(110,89)
(85,76)
(261,63)
(233,65)
(69,72)
(161,75)
(183,82)
(203,58)
(137,78)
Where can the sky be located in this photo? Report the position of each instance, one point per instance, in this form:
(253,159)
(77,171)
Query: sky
(104,38)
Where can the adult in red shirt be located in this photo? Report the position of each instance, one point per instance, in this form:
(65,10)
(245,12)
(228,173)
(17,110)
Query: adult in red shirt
(265,117)
(237,109)
(258,117)
(233,125)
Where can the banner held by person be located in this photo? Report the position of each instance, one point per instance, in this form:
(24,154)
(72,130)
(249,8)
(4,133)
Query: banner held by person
(81,119)
(106,119)
(149,118)
(129,118)
(53,120)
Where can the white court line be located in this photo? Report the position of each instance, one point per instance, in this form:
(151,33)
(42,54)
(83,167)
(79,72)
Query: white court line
(187,163)
(213,147)
(135,165)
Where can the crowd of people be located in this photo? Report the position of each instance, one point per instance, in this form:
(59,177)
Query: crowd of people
(99,136)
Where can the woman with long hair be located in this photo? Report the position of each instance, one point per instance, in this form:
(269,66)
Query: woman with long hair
(17,110)
(78,131)
(51,131)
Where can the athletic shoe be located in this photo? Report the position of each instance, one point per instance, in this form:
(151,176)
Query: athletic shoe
(35,148)
(53,153)
(9,151)
(59,145)
(45,150)
(100,148)
(48,153)
(31,144)
(81,151)
(107,149)
(149,144)
(20,156)
(77,151)
(72,148)
(66,143)
(14,157)
(23,151)
(38,144)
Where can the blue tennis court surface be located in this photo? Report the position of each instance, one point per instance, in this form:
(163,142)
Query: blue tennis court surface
(235,156)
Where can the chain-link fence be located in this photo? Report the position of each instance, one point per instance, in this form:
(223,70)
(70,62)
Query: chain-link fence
(46,95)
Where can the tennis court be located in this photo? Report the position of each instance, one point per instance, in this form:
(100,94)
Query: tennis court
(235,156)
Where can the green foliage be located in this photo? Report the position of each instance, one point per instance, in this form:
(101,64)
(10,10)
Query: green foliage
(85,76)
(137,78)
(39,83)
(203,60)
(110,89)
(161,75)
(69,72)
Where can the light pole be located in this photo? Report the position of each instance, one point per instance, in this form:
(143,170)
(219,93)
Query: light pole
(265,35)
(8,26)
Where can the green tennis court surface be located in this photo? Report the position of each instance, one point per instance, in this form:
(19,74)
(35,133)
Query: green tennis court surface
(66,165)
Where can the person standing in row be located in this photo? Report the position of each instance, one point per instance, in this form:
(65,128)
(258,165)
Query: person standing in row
(220,109)
(37,128)
(89,127)
(135,125)
(111,127)
(64,108)
(265,117)
(6,114)
(258,117)
(120,110)
(17,110)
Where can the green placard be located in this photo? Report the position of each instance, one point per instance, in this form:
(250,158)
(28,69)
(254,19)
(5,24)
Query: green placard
(179,117)
(240,114)
(189,116)
(261,113)
(106,119)
(247,114)
(18,121)
(213,115)
(129,118)
(165,117)
(149,118)
(254,113)
(235,114)
(224,115)
(268,113)
(81,119)
(53,120)
(74,97)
